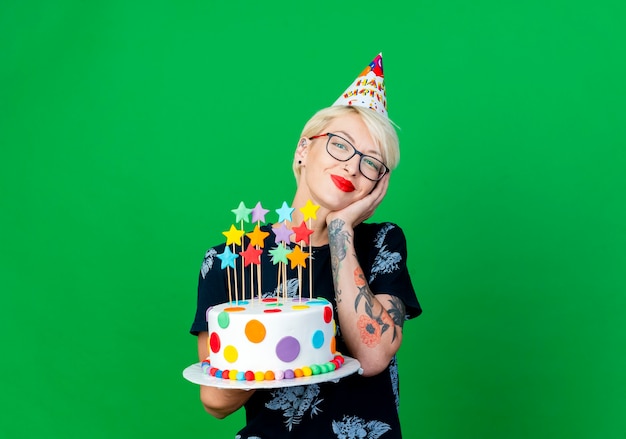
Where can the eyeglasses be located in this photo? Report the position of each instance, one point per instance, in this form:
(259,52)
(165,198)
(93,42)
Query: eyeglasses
(342,150)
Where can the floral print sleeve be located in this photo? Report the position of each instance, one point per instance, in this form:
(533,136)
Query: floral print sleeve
(388,273)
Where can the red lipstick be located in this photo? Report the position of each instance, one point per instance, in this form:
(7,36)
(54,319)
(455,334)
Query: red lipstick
(342,184)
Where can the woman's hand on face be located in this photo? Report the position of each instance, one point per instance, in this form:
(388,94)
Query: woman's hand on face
(364,208)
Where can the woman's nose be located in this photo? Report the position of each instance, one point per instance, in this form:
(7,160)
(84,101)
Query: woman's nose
(352,165)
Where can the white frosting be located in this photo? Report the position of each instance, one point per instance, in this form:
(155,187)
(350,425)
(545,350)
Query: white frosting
(253,336)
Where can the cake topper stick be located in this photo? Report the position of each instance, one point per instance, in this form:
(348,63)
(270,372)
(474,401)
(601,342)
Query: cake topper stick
(250,256)
(298,258)
(241,214)
(280,279)
(230,289)
(283,235)
(310,266)
(279,257)
(243,279)
(228,261)
(299,283)
(310,212)
(283,267)
(258,216)
(257,238)
(258,279)
(233,236)
(236,284)
(252,281)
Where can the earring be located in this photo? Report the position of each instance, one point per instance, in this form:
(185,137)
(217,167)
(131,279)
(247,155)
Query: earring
(299,162)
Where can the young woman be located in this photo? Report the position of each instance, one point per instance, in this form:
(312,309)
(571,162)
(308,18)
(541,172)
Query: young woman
(342,162)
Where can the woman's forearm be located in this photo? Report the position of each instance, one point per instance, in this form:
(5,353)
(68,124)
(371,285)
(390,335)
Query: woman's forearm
(370,324)
(223,402)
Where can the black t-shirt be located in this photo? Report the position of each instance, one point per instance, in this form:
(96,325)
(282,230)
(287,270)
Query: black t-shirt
(355,406)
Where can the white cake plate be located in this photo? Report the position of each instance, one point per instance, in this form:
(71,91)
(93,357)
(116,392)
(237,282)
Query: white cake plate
(195,374)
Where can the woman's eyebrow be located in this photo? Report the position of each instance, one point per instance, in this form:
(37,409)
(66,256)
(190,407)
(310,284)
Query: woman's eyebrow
(371,151)
(345,134)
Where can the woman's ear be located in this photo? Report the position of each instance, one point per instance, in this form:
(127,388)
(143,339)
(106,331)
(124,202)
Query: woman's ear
(302,149)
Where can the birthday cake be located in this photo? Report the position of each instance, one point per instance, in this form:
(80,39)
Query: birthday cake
(271,339)
(262,339)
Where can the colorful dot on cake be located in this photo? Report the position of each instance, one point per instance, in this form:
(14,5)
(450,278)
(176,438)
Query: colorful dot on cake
(255,331)
(318,339)
(328,314)
(232,375)
(287,349)
(299,307)
(273,304)
(259,376)
(271,310)
(269,376)
(230,354)
(306,371)
(298,373)
(316,369)
(278,375)
(289,375)
(241,376)
(223,320)
(224,374)
(214,342)
(249,375)
(234,309)
(333,345)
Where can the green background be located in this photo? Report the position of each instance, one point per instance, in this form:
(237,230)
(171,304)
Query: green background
(129,130)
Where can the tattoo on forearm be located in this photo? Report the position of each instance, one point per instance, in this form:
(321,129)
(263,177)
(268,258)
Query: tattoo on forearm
(397,311)
(373,325)
(364,292)
(337,239)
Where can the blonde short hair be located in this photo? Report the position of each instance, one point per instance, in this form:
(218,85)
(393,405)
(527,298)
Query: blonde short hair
(379,127)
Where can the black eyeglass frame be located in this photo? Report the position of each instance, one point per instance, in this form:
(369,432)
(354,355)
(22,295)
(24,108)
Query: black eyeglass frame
(356,151)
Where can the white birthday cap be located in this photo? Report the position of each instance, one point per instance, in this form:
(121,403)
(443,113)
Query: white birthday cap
(368,89)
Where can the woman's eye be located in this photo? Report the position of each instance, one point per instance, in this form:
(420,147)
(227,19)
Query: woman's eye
(340,146)
(370,163)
